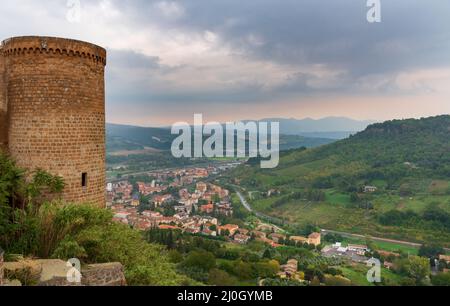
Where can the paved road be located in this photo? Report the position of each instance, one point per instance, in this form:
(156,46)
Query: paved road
(244,202)
(325,231)
(258,214)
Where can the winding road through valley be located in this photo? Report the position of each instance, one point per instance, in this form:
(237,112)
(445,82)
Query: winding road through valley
(326,231)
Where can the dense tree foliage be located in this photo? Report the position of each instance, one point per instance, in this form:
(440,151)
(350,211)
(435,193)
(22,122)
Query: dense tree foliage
(407,161)
(33,226)
(416,268)
(432,217)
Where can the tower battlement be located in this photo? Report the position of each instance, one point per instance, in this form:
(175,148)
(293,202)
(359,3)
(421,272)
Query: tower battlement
(52,111)
(45,45)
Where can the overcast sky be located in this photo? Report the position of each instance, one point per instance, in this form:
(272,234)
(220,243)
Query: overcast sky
(251,59)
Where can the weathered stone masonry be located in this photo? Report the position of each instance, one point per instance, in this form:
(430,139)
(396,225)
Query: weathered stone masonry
(52,111)
(1,266)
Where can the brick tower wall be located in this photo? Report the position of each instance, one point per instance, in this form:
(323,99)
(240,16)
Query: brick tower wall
(56,109)
(3,105)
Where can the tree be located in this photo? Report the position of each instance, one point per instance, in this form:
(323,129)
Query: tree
(175,256)
(216,198)
(315,281)
(243,270)
(371,244)
(218,277)
(331,280)
(415,267)
(354,197)
(431,251)
(267,253)
(333,238)
(266,269)
(441,279)
(202,260)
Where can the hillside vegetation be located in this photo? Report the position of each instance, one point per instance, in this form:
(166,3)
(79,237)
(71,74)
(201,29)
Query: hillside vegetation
(407,160)
(35,226)
(132,138)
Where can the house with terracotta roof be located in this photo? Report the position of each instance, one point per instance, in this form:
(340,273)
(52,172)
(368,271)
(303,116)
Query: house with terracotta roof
(259,234)
(206,231)
(201,187)
(231,228)
(445,258)
(277,237)
(299,239)
(160,199)
(241,239)
(314,239)
(388,265)
(207,209)
(168,227)
(268,241)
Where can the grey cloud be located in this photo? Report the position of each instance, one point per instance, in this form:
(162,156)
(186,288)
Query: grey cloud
(413,34)
(129,59)
(334,32)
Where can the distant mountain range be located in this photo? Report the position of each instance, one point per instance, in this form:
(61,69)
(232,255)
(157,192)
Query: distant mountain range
(330,127)
(134,138)
(128,137)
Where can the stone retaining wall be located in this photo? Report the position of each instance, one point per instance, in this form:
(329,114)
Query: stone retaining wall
(109,274)
(1,266)
(54,272)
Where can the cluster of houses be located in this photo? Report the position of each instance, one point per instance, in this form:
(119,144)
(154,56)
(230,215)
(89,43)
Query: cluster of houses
(206,225)
(358,254)
(122,192)
(151,219)
(353,252)
(193,211)
(276,239)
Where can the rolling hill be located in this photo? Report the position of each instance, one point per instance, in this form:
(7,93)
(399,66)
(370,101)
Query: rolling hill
(329,127)
(122,138)
(408,161)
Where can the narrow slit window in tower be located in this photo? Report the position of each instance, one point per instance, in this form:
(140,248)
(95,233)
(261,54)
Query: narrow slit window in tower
(84,180)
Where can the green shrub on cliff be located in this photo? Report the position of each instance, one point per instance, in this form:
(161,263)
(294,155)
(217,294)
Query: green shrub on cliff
(61,230)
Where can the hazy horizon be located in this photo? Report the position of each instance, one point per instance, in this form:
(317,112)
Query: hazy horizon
(274,117)
(236,60)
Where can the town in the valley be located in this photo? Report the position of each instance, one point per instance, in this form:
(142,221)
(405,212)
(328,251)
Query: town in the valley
(190,201)
(182,199)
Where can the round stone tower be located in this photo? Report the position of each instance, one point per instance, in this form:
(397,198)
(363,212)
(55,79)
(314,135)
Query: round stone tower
(3,105)
(55,101)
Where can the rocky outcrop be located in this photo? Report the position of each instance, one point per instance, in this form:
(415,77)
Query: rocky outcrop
(26,271)
(109,274)
(55,272)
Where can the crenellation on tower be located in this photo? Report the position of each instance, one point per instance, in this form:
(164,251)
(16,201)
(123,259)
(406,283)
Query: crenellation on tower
(54,108)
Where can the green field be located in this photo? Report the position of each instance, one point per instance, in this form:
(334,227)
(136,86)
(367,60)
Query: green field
(358,275)
(336,212)
(408,162)
(384,245)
